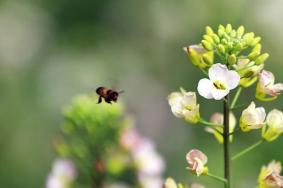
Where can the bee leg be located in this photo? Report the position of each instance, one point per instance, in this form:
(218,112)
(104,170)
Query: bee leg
(108,101)
(99,100)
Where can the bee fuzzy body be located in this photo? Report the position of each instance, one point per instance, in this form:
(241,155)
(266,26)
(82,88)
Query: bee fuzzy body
(108,95)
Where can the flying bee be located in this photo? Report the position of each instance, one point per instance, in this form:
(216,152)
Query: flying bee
(107,94)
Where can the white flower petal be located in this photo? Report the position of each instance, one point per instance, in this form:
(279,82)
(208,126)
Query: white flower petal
(260,114)
(204,88)
(233,79)
(266,78)
(219,94)
(218,72)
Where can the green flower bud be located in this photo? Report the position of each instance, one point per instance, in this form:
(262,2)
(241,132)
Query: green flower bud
(221,48)
(208,39)
(232,59)
(221,30)
(253,55)
(207,45)
(255,41)
(240,31)
(261,59)
(228,28)
(208,58)
(233,34)
(238,47)
(224,41)
(215,38)
(208,30)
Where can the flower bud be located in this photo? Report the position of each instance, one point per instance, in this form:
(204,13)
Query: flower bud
(252,118)
(255,41)
(170,183)
(209,30)
(274,125)
(255,52)
(228,28)
(209,39)
(196,53)
(217,118)
(215,38)
(184,105)
(207,45)
(240,31)
(221,48)
(261,59)
(197,160)
(232,59)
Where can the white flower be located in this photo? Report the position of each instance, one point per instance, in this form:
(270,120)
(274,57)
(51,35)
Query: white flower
(150,181)
(197,161)
(62,175)
(220,82)
(217,118)
(274,125)
(252,118)
(266,84)
(184,105)
(269,176)
(129,138)
(148,161)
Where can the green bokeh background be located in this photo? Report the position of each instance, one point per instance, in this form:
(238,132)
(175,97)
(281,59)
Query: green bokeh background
(53,50)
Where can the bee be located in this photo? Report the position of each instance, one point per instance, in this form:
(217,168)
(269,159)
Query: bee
(107,94)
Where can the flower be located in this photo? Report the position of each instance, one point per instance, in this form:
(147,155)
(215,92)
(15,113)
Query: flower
(197,161)
(274,125)
(220,82)
(148,161)
(269,176)
(266,86)
(184,105)
(248,71)
(195,185)
(199,56)
(129,138)
(170,183)
(217,118)
(252,118)
(62,175)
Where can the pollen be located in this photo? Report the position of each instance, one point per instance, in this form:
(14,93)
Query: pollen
(219,85)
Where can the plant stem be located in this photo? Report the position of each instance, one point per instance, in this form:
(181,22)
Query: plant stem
(248,149)
(217,178)
(226,111)
(235,99)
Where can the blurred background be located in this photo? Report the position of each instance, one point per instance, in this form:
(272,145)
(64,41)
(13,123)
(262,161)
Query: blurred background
(51,51)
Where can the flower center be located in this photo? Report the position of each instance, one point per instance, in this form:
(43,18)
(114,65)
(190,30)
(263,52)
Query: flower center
(219,85)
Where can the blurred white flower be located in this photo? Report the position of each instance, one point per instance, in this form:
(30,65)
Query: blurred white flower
(195,185)
(252,118)
(269,176)
(220,82)
(197,161)
(148,161)
(217,118)
(62,175)
(129,138)
(184,105)
(150,181)
(266,85)
(274,125)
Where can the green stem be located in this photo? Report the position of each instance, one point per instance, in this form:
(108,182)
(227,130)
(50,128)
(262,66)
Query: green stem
(226,112)
(235,99)
(248,149)
(203,121)
(217,178)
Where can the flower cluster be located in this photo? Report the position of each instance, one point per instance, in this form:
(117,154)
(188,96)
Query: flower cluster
(148,162)
(230,59)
